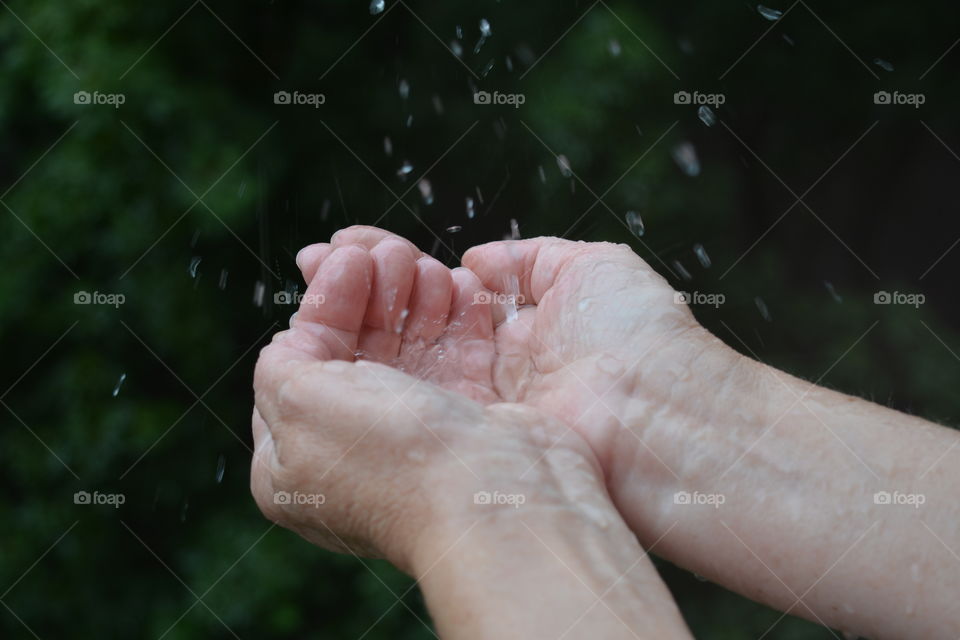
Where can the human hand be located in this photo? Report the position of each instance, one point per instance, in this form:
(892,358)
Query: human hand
(360,456)
(594,327)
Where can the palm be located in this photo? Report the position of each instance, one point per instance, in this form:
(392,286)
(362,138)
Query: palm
(599,310)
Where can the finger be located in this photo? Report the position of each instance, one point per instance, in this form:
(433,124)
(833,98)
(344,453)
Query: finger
(333,308)
(394,270)
(429,302)
(369,237)
(311,257)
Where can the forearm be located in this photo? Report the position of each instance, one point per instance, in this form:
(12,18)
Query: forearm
(551,568)
(786,475)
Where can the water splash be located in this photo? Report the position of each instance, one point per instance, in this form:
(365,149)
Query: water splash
(514,229)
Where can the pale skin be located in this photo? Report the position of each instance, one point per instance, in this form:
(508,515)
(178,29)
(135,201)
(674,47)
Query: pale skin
(614,400)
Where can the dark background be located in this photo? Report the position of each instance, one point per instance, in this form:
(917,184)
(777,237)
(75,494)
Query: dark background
(199,163)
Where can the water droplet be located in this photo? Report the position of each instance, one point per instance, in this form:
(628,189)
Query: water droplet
(409,122)
(194,265)
(325,210)
(514,230)
(513,289)
(707,115)
(832,291)
(259,290)
(438,105)
(387,146)
(635,223)
(614,47)
(401,320)
(459,32)
(377,6)
(454,229)
(543,174)
(404,89)
(486,69)
(426,191)
(479,194)
(788,40)
(685,155)
(682,270)
(183,510)
(485,30)
(223,279)
(405,169)
(221,466)
(564,166)
(768,13)
(470,210)
(883,64)
(508,61)
(762,308)
(702,256)
(456,48)
(116,389)
(193,240)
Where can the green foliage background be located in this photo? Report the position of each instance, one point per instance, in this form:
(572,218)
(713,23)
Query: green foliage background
(200,163)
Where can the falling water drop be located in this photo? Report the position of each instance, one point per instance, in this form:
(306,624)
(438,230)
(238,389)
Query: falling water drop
(221,466)
(459,32)
(762,308)
(387,146)
(564,166)
(426,191)
(183,510)
(377,6)
(259,290)
(768,13)
(682,270)
(883,64)
(404,89)
(614,47)
(456,48)
(702,256)
(116,389)
(832,291)
(635,223)
(405,169)
(470,210)
(485,30)
(223,279)
(685,155)
(707,115)
(194,265)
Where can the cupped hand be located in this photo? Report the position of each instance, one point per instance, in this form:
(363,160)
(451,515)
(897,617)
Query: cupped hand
(578,329)
(357,455)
